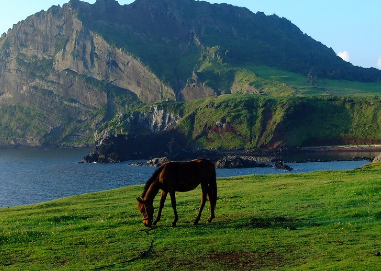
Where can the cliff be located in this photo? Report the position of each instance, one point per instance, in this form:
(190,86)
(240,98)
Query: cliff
(70,77)
(238,123)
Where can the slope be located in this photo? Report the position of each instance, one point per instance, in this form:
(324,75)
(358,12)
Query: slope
(170,36)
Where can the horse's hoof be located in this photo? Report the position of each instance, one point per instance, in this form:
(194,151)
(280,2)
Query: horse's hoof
(173,224)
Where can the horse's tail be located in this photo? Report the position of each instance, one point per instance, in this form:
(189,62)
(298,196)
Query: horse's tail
(213,188)
(154,176)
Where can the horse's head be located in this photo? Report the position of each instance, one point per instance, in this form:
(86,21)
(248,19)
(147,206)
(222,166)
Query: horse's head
(146,209)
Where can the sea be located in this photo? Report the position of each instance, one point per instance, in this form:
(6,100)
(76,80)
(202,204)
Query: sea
(29,176)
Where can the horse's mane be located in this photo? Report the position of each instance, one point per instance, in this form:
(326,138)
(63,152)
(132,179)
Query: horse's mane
(151,180)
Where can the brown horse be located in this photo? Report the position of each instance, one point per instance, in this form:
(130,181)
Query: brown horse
(179,176)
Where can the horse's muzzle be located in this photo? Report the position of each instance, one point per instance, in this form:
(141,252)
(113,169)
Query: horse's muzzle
(147,223)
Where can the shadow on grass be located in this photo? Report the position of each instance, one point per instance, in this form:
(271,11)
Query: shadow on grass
(273,222)
(278,222)
(255,222)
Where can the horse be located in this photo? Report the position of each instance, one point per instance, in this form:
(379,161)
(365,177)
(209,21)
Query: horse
(173,177)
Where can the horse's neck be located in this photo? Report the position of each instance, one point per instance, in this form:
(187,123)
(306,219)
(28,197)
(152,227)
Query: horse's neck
(152,191)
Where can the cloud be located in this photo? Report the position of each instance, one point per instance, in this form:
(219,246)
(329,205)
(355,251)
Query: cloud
(379,63)
(344,55)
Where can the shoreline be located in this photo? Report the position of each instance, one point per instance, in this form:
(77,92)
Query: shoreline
(305,150)
(279,158)
(342,148)
(115,155)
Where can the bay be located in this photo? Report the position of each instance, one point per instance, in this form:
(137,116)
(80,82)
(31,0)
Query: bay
(30,176)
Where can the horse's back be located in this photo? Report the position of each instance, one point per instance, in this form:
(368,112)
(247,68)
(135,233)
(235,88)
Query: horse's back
(186,176)
(196,168)
(206,167)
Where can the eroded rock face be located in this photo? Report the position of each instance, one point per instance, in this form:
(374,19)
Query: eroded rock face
(53,63)
(88,53)
(56,41)
(156,119)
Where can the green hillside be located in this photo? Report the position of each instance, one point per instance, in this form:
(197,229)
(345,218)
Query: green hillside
(253,122)
(323,86)
(319,221)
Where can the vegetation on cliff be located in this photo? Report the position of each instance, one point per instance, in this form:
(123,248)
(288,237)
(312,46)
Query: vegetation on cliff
(231,122)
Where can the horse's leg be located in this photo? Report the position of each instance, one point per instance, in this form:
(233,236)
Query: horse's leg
(203,199)
(161,205)
(173,201)
(212,206)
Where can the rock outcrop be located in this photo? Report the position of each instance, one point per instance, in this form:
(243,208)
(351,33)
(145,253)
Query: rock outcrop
(377,159)
(239,162)
(120,148)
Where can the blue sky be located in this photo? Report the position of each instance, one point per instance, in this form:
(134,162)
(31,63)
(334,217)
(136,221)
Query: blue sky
(352,28)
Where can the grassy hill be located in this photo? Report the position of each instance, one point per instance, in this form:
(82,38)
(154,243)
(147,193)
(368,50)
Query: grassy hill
(252,122)
(322,221)
(324,86)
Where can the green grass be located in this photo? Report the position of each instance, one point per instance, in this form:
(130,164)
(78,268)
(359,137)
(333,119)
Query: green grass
(318,221)
(325,87)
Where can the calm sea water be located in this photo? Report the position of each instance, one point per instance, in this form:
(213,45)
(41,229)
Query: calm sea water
(32,176)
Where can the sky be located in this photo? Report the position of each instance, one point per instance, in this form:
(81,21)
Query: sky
(352,28)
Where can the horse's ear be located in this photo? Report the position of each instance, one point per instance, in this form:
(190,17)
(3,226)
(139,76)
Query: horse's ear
(139,199)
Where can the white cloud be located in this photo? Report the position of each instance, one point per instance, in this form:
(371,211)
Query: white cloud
(344,55)
(379,63)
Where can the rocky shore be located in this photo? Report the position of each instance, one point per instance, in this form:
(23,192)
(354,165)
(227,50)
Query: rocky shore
(234,162)
(169,147)
(227,162)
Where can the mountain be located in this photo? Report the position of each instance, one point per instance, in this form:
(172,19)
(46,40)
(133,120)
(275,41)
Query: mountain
(180,32)
(67,71)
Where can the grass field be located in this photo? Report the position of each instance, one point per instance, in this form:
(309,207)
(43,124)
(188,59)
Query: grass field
(315,221)
(325,86)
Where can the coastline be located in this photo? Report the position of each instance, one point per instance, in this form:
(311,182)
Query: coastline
(277,158)
(342,148)
(116,151)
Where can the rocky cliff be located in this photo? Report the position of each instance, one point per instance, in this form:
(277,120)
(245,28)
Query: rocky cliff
(70,75)
(237,123)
